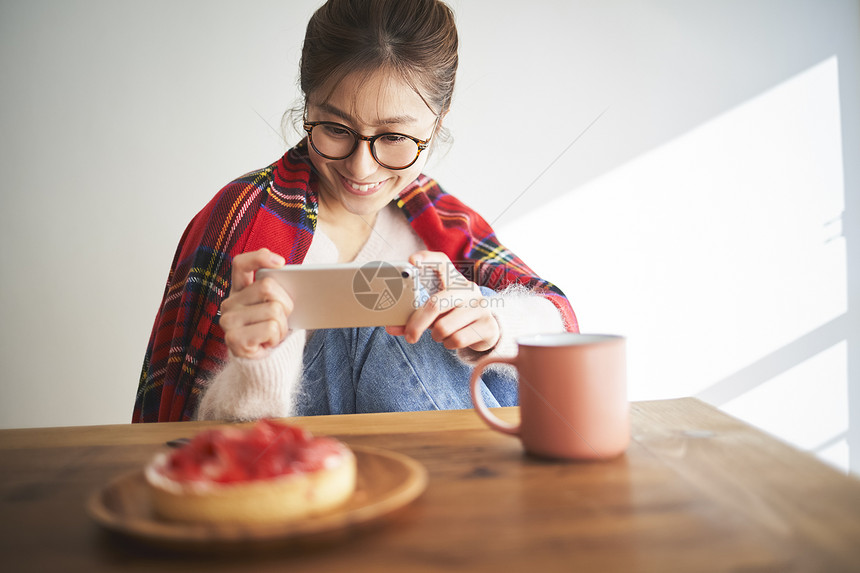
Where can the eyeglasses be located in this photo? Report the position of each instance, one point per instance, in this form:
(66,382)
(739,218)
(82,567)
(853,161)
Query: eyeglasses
(391,150)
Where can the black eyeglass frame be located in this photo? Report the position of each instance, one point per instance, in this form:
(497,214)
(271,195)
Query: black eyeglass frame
(358,138)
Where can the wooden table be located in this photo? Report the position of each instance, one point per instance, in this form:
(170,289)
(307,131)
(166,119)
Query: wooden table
(696,491)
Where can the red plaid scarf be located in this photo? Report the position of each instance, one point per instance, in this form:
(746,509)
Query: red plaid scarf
(276,207)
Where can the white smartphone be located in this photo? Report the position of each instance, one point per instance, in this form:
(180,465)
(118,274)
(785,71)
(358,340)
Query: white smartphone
(348,295)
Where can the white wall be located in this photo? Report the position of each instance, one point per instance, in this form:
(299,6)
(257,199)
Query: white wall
(710,213)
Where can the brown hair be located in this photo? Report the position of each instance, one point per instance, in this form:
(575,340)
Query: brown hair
(414,39)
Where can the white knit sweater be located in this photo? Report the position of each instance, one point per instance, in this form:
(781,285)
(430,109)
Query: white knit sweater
(248,389)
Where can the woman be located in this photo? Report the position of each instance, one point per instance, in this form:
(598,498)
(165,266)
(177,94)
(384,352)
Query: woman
(377,78)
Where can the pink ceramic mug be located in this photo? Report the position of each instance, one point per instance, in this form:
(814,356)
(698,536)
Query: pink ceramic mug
(572,393)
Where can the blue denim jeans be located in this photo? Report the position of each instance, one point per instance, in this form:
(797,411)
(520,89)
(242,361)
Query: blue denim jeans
(357,370)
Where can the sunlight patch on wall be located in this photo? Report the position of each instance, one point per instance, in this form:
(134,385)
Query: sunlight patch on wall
(713,250)
(807,405)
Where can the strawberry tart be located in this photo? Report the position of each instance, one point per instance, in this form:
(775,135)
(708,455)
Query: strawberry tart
(267,473)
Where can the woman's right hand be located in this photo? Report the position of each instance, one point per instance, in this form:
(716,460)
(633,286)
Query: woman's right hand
(255,315)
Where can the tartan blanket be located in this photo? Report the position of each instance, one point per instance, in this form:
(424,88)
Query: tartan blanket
(276,207)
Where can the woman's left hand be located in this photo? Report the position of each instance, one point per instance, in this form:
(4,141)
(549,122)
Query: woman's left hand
(458,315)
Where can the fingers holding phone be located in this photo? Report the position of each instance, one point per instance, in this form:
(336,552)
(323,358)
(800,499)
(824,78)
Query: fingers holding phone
(255,317)
(456,314)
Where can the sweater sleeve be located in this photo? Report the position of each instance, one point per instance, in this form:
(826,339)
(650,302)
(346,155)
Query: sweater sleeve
(249,389)
(519,312)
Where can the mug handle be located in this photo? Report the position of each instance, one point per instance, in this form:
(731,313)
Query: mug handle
(478,400)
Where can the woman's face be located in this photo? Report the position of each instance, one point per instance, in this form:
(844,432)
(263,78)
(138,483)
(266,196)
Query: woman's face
(369,105)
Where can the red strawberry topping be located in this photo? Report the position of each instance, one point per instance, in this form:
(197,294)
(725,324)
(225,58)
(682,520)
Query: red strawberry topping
(266,450)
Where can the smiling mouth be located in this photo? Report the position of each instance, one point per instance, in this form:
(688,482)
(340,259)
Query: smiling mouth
(362,189)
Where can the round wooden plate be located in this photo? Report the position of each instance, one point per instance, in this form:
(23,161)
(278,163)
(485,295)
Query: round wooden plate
(386,481)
